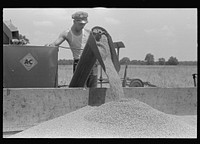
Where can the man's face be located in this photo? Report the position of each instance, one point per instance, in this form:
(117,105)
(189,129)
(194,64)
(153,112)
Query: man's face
(79,25)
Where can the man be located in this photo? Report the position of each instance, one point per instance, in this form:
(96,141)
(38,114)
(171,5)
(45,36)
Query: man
(77,37)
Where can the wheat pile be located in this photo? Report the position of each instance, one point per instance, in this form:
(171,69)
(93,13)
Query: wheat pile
(136,119)
(122,119)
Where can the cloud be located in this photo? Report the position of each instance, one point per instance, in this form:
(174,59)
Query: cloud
(39,37)
(165,30)
(112,21)
(43,23)
(101,10)
(105,14)
(149,30)
(37,33)
(47,12)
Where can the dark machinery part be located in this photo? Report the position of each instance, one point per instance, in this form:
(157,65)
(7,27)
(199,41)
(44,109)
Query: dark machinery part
(194,78)
(97,33)
(136,83)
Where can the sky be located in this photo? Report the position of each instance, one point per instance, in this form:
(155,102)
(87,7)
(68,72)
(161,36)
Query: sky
(163,32)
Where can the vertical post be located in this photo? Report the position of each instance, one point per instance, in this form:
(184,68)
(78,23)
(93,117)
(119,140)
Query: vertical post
(194,77)
(101,79)
(124,80)
(118,52)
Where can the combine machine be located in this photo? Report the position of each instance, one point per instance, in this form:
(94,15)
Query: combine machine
(26,66)
(31,94)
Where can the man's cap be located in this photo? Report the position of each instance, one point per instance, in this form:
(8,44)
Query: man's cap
(80,16)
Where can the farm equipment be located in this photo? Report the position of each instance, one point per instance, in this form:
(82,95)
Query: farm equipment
(31,94)
(126,81)
(26,66)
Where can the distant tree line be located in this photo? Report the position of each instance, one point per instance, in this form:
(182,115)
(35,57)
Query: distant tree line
(149,60)
(65,62)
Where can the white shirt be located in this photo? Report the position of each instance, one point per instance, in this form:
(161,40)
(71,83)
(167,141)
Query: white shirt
(77,43)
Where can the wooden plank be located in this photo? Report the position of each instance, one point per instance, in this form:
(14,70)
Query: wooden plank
(114,56)
(95,50)
(101,47)
(84,66)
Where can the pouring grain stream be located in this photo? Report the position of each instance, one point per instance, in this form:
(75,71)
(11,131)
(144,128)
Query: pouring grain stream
(117,92)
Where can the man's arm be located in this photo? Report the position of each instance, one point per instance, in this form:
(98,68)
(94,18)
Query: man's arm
(59,40)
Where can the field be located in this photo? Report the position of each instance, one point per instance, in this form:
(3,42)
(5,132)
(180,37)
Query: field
(161,76)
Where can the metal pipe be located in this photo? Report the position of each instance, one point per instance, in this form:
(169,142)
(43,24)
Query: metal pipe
(70,48)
